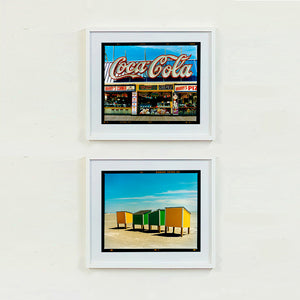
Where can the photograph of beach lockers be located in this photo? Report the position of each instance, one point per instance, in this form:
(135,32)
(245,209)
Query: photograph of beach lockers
(151,210)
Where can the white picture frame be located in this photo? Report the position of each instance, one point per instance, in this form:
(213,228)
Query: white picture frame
(96,258)
(97,129)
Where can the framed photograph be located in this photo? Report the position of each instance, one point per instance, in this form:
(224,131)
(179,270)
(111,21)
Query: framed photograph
(150,85)
(150,213)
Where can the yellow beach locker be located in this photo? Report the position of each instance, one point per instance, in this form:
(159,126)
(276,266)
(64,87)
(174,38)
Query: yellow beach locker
(177,217)
(124,217)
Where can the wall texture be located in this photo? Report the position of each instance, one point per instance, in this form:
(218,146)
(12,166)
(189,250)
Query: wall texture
(42,145)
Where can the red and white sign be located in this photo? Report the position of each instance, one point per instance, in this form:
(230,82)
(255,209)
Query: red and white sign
(120,68)
(119,88)
(185,88)
(134,103)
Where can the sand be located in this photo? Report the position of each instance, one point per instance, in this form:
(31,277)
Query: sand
(121,238)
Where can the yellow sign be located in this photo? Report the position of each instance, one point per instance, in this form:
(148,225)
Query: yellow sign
(156,87)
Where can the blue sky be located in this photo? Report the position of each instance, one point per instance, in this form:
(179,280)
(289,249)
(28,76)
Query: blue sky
(135,53)
(136,191)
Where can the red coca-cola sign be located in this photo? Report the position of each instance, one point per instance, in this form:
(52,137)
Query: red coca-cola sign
(121,68)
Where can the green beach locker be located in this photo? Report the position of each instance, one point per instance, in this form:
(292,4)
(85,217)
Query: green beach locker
(141,218)
(157,218)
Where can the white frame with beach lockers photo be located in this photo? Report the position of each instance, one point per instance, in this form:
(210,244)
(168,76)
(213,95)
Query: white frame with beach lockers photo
(96,130)
(98,259)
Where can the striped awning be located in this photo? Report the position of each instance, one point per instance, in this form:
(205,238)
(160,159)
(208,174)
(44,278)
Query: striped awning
(108,79)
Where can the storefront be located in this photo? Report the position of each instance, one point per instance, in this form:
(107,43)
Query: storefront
(151,99)
(187,99)
(118,99)
(154,99)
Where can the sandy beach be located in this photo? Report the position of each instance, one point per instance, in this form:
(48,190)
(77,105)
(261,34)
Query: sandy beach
(121,238)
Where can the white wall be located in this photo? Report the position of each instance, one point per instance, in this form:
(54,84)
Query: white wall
(42,143)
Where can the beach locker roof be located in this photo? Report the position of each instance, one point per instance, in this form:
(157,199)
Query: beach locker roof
(124,211)
(180,207)
(156,210)
(142,212)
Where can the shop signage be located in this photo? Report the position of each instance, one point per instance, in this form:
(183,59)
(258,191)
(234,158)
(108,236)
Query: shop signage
(147,87)
(134,103)
(185,88)
(161,87)
(119,88)
(165,87)
(121,68)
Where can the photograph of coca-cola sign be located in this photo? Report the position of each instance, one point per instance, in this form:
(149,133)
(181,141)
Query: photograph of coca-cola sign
(144,83)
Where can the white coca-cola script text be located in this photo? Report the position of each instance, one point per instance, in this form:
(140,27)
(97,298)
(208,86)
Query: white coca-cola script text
(120,68)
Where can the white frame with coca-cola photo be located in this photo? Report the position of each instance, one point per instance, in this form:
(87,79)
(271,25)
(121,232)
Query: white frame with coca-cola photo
(150,85)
